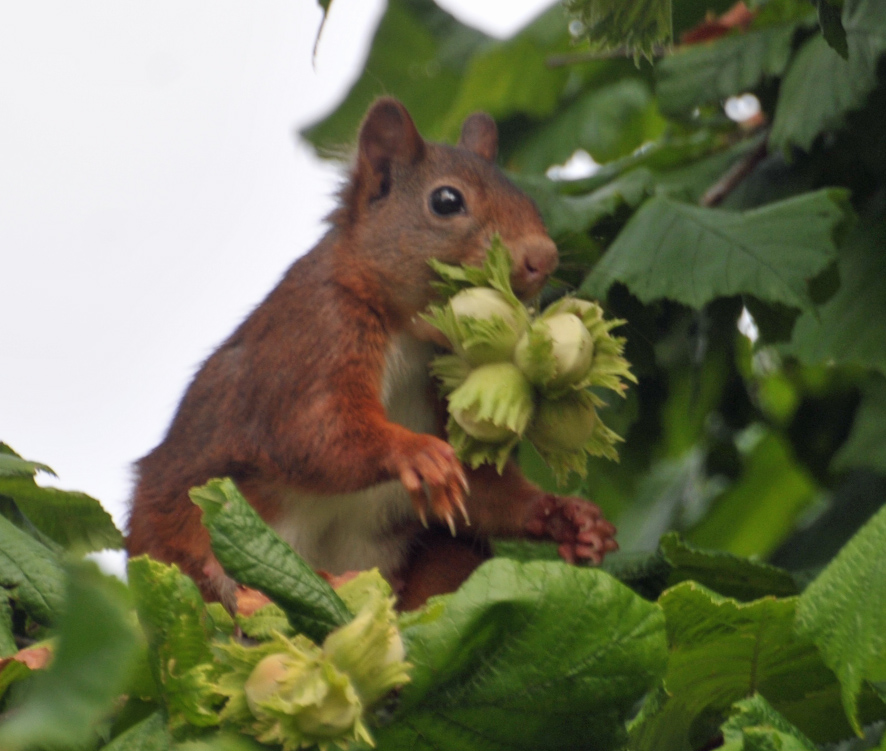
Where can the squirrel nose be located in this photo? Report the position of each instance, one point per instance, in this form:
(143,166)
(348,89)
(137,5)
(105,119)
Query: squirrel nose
(535,259)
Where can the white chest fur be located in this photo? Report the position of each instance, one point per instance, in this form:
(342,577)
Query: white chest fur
(371,527)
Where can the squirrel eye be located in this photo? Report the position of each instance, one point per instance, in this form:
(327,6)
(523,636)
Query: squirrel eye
(447,201)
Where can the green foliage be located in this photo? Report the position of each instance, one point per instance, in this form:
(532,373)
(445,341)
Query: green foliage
(770,252)
(766,452)
(704,73)
(609,24)
(853,647)
(821,86)
(866,444)
(96,652)
(510,660)
(764,447)
(756,725)
(850,328)
(267,563)
(499,632)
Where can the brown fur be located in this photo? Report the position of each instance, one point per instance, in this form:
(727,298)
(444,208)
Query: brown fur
(291,403)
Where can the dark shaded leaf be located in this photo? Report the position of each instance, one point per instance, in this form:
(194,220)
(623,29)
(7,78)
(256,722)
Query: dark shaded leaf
(851,327)
(832,26)
(820,87)
(758,512)
(694,255)
(727,574)
(702,73)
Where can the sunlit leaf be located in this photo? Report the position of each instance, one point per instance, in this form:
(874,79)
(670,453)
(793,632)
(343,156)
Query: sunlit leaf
(844,612)
(174,618)
(723,651)
(528,656)
(756,726)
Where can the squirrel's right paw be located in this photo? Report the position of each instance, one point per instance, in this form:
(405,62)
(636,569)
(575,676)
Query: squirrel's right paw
(434,478)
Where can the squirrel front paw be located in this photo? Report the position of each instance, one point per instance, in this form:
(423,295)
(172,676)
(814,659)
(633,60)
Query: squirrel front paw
(578,525)
(434,478)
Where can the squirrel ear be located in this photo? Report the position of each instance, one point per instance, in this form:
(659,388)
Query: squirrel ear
(479,134)
(387,135)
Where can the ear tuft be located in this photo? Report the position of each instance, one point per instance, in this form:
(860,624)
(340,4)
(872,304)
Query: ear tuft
(479,135)
(387,136)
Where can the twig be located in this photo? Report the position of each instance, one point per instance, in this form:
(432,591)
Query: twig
(716,194)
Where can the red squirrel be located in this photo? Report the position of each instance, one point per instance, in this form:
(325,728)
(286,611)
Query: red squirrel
(320,407)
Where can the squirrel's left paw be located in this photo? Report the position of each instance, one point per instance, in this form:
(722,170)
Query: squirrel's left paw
(578,525)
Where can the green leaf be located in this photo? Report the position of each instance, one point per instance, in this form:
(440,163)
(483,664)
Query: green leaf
(758,512)
(264,622)
(820,87)
(640,26)
(7,639)
(850,328)
(756,725)
(227,740)
(844,612)
(13,672)
(527,656)
(829,19)
(73,520)
(417,48)
(609,122)
(97,647)
(727,574)
(504,79)
(567,215)
(866,445)
(693,255)
(176,623)
(254,555)
(723,651)
(31,573)
(151,734)
(701,73)
(12,465)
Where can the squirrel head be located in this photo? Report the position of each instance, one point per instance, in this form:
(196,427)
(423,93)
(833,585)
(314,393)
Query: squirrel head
(410,200)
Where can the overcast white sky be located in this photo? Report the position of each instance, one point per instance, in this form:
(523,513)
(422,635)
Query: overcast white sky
(151,193)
